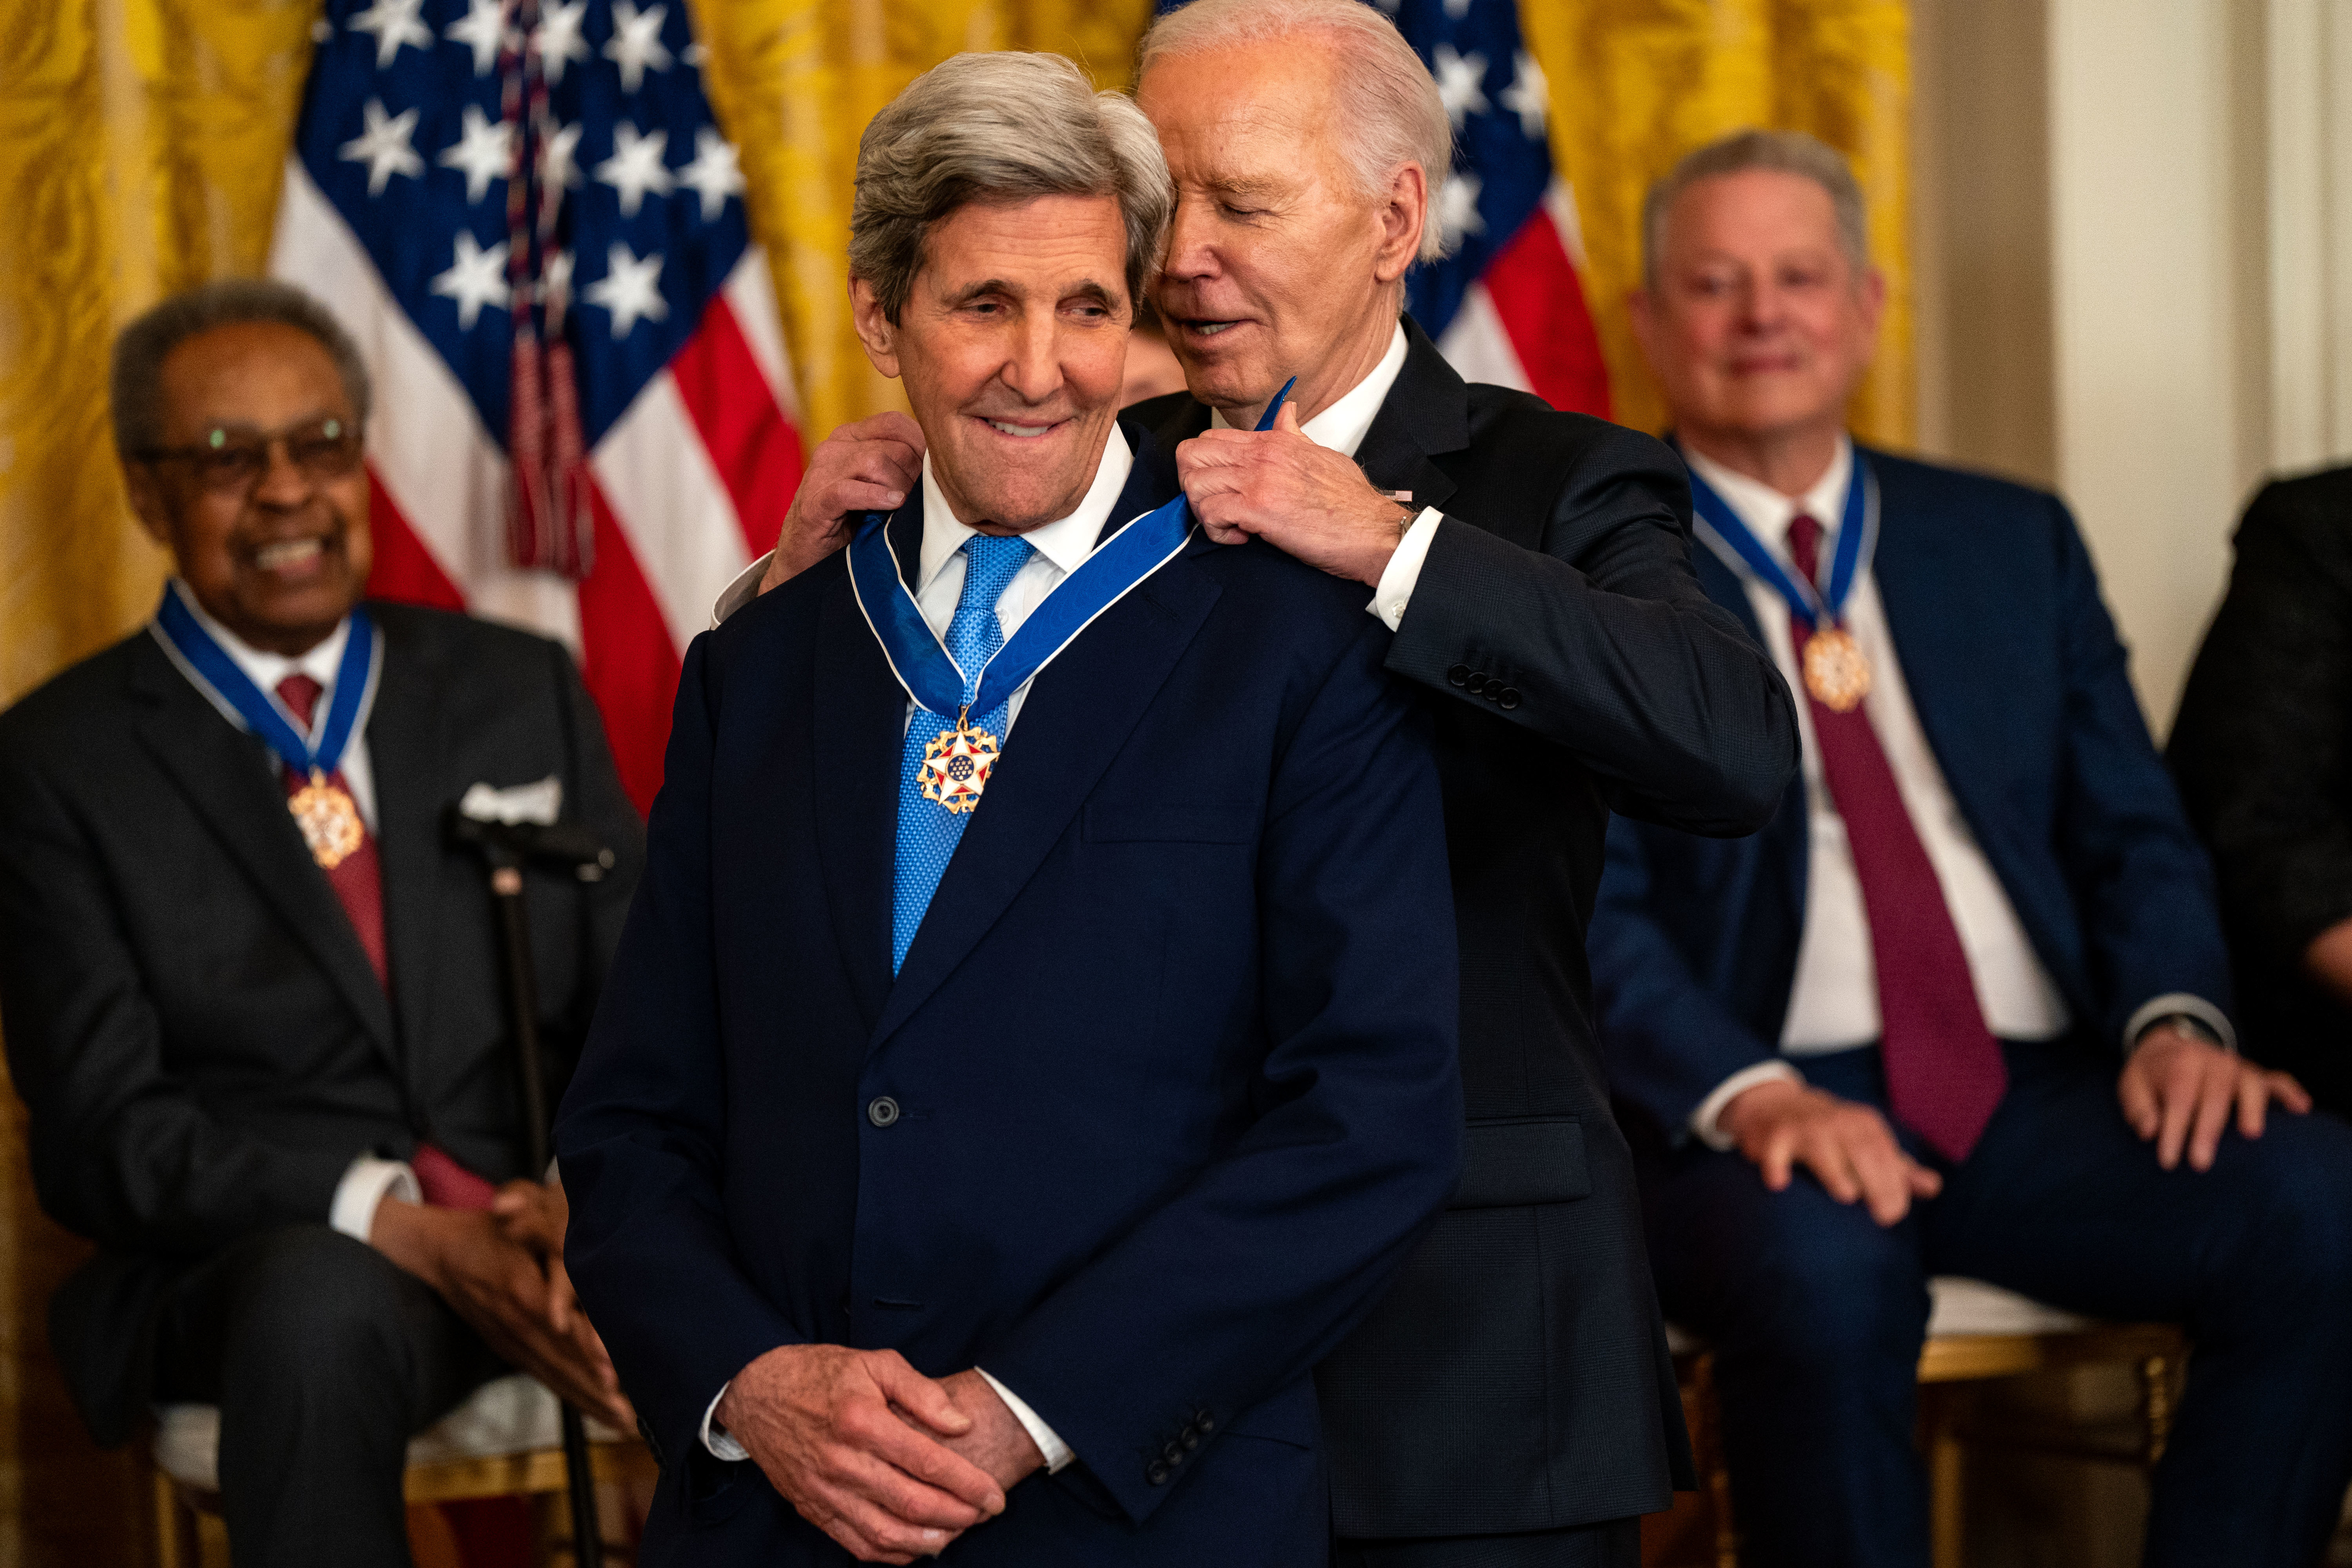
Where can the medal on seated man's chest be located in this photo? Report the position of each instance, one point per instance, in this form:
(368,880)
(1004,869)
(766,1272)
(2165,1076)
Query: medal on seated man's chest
(1837,672)
(329,820)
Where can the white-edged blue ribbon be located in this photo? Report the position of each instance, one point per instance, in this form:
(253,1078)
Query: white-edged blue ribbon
(1857,536)
(184,636)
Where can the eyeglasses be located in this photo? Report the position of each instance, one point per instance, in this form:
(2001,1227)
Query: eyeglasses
(232,461)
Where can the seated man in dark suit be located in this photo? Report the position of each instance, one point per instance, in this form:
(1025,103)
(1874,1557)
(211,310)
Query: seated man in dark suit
(1969,979)
(252,998)
(2262,748)
(1044,1073)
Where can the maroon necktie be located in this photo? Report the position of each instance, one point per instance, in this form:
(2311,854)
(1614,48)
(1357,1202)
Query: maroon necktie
(1944,1071)
(358,882)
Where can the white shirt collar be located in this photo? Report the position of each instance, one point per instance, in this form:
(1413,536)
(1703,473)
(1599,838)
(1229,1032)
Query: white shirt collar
(1343,425)
(266,669)
(1066,541)
(1767,512)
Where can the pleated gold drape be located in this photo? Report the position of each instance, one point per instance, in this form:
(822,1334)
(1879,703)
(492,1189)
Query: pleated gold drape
(141,144)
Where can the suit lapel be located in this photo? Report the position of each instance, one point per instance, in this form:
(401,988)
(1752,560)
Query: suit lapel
(1077,716)
(1939,636)
(1425,415)
(861,726)
(228,781)
(408,752)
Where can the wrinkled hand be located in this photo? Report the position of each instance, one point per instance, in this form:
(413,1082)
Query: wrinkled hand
(998,1443)
(1848,1146)
(1305,500)
(853,1439)
(2178,1089)
(499,1285)
(867,466)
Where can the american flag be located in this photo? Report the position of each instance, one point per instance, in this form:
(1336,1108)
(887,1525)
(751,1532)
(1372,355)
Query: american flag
(472,179)
(1506,304)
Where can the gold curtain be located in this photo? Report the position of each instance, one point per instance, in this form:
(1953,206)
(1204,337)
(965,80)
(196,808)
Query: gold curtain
(140,145)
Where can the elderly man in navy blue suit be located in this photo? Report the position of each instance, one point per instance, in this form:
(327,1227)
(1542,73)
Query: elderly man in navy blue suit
(1033,1048)
(1962,1008)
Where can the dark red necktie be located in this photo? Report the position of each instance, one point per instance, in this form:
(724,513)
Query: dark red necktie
(1944,1071)
(358,882)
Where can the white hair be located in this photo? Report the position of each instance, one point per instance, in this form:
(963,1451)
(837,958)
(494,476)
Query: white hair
(1000,127)
(1388,111)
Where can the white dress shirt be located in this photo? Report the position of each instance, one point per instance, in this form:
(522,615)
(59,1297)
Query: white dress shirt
(367,1178)
(1056,549)
(1833,1002)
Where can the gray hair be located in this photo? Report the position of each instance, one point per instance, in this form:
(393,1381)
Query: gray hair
(1388,111)
(1780,152)
(1000,127)
(135,382)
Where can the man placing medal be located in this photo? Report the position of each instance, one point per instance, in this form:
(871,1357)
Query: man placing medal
(1033,1048)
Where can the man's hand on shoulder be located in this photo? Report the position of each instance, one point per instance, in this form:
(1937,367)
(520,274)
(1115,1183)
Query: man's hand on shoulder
(2178,1090)
(499,1285)
(870,465)
(861,1446)
(1848,1146)
(1305,500)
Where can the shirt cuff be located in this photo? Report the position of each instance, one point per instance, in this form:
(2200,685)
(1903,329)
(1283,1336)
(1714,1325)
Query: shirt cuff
(1703,1120)
(739,592)
(2196,1007)
(1057,1453)
(1395,591)
(366,1182)
(716,1437)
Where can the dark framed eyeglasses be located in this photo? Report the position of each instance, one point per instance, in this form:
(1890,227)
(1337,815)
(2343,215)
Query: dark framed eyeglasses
(232,462)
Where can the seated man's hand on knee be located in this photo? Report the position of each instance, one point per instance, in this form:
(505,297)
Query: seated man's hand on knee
(858,1442)
(501,1286)
(2179,1090)
(1849,1147)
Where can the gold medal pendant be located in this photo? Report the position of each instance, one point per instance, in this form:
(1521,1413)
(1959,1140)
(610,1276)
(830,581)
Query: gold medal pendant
(957,763)
(1837,672)
(330,820)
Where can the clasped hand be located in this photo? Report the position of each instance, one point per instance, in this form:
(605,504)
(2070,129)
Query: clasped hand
(1305,500)
(890,1464)
(501,1270)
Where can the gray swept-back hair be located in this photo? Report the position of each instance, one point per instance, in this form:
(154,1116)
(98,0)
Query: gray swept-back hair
(135,379)
(1388,111)
(1780,152)
(1000,127)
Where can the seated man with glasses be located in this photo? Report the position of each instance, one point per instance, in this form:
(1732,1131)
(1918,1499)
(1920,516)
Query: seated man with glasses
(252,997)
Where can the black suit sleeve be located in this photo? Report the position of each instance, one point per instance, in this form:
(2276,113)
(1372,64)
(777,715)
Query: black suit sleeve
(122,1150)
(2263,746)
(1614,649)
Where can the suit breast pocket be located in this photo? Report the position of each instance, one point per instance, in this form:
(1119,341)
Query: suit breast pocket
(1523,1160)
(1171,822)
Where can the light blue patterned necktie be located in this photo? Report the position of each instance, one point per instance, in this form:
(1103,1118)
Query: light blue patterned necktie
(928,832)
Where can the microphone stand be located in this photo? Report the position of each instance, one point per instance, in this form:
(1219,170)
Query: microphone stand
(504,847)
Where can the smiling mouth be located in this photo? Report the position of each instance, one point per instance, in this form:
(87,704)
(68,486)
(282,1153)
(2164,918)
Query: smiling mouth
(1021,432)
(288,554)
(1207,328)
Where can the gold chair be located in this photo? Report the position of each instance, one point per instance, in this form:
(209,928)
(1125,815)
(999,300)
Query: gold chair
(503,1441)
(1976,1333)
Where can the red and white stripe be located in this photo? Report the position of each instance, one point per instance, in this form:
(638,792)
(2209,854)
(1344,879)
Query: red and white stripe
(1525,323)
(690,484)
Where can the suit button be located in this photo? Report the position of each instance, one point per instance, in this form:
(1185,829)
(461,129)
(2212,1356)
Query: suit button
(1458,674)
(882,1110)
(1173,1453)
(1476,683)
(1509,699)
(1192,1439)
(1156,1473)
(1206,1422)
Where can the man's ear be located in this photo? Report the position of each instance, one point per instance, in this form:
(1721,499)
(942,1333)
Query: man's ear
(1638,311)
(874,329)
(1874,302)
(147,502)
(1402,217)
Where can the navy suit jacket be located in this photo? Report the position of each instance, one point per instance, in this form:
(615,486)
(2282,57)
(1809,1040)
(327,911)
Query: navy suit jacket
(2022,688)
(1169,1067)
